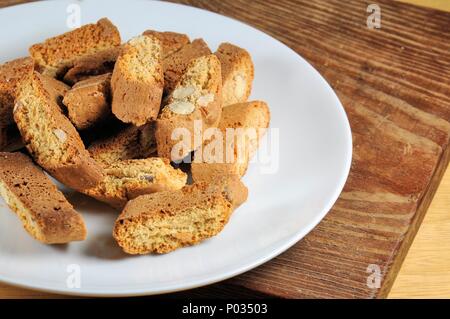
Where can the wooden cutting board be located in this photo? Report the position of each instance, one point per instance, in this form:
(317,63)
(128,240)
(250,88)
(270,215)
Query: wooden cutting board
(394,83)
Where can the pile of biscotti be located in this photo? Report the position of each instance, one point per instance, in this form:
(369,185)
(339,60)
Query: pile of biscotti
(98,115)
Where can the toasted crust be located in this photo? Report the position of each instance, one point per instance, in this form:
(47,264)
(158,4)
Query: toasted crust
(137,82)
(91,65)
(10,74)
(128,179)
(44,211)
(250,115)
(175,64)
(171,42)
(195,100)
(56,55)
(50,137)
(131,143)
(88,101)
(165,221)
(237,73)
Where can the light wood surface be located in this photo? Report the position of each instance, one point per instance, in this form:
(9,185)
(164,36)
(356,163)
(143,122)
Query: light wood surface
(425,272)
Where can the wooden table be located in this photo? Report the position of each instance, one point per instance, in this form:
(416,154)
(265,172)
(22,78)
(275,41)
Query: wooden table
(426,270)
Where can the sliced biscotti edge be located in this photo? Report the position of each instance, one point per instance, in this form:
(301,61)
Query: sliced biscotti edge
(175,64)
(196,100)
(10,74)
(42,208)
(242,126)
(50,137)
(237,73)
(137,82)
(171,42)
(125,180)
(55,55)
(165,221)
(130,143)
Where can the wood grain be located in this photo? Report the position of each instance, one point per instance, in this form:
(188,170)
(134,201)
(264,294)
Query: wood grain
(394,83)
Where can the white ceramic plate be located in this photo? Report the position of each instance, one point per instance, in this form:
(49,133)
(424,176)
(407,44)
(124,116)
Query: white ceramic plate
(289,191)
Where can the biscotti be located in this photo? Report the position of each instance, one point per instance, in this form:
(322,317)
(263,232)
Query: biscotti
(237,73)
(137,82)
(175,64)
(248,122)
(88,102)
(196,100)
(98,63)
(164,221)
(56,55)
(42,208)
(10,74)
(50,137)
(131,143)
(125,180)
(171,42)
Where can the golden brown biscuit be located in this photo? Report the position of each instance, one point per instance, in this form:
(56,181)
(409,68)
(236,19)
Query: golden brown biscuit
(125,180)
(164,221)
(100,62)
(249,121)
(50,137)
(131,143)
(175,64)
(137,82)
(44,211)
(10,74)
(237,73)
(56,55)
(88,102)
(171,42)
(196,100)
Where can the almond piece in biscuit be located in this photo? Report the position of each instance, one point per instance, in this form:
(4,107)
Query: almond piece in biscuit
(196,98)
(88,102)
(252,116)
(165,221)
(137,82)
(56,55)
(171,42)
(131,143)
(50,137)
(43,210)
(237,73)
(10,74)
(98,63)
(175,64)
(125,180)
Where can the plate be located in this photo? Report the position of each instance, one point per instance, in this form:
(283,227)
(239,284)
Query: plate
(297,176)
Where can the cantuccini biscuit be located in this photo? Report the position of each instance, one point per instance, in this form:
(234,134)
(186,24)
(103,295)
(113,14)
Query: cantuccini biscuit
(10,74)
(56,55)
(175,64)
(237,73)
(42,208)
(195,100)
(171,42)
(137,82)
(50,137)
(125,180)
(88,102)
(248,122)
(164,221)
(131,143)
(98,63)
